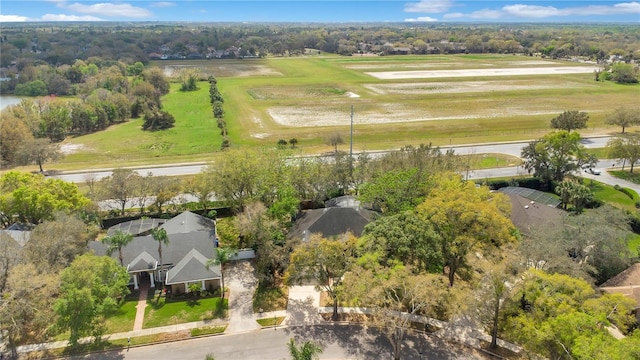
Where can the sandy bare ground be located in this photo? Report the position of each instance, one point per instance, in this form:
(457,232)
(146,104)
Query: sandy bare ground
(311,116)
(465,87)
(427,65)
(433,74)
(70,148)
(223,69)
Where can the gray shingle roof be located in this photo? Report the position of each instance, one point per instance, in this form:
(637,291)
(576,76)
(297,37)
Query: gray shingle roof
(143,262)
(178,247)
(19,236)
(188,222)
(191,243)
(193,267)
(527,214)
(330,222)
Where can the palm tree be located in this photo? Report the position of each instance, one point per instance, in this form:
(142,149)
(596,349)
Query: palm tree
(223,256)
(307,351)
(160,235)
(116,242)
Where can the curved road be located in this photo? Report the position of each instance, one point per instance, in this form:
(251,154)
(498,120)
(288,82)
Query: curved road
(510,148)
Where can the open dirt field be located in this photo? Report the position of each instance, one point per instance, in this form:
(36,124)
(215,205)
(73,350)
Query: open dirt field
(452,64)
(398,100)
(466,87)
(314,116)
(432,74)
(219,68)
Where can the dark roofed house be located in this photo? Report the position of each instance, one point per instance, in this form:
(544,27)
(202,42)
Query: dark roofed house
(528,214)
(342,215)
(192,240)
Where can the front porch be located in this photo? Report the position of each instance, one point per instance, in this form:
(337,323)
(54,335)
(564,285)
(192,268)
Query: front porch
(210,285)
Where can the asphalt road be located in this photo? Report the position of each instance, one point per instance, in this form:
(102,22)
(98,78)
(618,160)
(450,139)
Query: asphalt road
(338,342)
(513,148)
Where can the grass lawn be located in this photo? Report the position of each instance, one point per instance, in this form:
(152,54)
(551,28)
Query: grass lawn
(162,313)
(123,320)
(609,195)
(111,344)
(270,298)
(490,161)
(208,330)
(626,175)
(271,321)
(600,153)
(305,89)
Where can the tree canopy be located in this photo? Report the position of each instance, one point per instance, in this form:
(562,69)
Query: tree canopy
(323,261)
(555,155)
(626,148)
(466,218)
(390,293)
(90,290)
(570,120)
(32,198)
(406,238)
(564,316)
(624,117)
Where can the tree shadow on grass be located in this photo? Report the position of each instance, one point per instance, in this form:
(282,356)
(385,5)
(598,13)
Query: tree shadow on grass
(193,302)
(107,350)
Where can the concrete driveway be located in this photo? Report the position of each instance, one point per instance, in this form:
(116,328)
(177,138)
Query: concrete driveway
(240,278)
(302,308)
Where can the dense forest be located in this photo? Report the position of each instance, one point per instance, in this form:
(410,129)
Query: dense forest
(57,44)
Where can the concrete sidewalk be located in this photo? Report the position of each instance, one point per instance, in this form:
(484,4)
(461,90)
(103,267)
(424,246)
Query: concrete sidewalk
(239,278)
(303,309)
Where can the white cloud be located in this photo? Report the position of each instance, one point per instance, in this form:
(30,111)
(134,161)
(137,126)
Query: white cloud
(110,9)
(13,18)
(162,4)
(530,11)
(428,6)
(615,9)
(454,15)
(59,3)
(421,19)
(523,11)
(486,14)
(64,17)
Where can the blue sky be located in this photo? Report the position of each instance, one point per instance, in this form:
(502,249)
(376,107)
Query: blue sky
(322,11)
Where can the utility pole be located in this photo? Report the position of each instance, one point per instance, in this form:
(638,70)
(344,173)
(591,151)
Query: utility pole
(351,145)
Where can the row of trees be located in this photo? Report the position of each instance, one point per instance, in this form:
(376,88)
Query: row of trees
(217,104)
(63,44)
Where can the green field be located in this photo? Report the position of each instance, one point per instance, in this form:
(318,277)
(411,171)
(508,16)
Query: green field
(311,98)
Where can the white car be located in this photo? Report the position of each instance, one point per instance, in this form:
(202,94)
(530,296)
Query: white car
(592,171)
